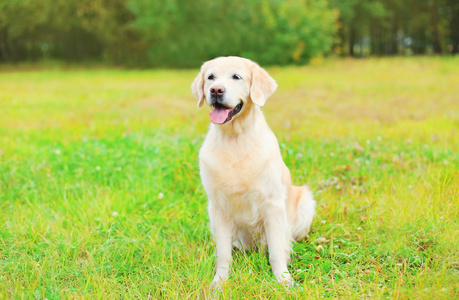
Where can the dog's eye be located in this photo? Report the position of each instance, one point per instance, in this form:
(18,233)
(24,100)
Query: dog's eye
(211,77)
(236,77)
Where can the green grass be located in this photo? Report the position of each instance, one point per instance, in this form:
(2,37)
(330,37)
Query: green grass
(100,194)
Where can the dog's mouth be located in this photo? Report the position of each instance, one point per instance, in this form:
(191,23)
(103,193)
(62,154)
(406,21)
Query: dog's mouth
(222,114)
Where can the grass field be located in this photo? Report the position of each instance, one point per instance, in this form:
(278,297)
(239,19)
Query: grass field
(100,194)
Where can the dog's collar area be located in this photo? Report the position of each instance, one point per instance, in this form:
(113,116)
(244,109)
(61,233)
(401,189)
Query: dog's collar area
(234,112)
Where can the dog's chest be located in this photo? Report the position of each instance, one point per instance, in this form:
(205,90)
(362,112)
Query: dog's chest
(241,179)
(235,165)
(233,174)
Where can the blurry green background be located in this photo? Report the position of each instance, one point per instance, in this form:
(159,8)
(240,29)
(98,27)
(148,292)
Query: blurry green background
(173,33)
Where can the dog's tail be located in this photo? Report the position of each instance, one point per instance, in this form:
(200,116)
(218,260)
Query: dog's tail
(305,211)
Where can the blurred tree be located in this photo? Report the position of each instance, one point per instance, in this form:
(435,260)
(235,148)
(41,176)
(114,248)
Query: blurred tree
(173,33)
(392,27)
(185,33)
(305,29)
(452,17)
(72,30)
(95,30)
(18,20)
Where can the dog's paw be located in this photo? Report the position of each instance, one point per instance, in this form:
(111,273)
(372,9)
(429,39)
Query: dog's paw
(218,283)
(285,279)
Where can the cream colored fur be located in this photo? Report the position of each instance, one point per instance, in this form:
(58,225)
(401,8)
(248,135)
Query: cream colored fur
(250,196)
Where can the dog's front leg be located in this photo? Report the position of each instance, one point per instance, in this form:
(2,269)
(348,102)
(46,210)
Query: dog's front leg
(222,230)
(277,235)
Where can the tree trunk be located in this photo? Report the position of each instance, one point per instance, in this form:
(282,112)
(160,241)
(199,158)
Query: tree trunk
(393,37)
(4,45)
(436,38)
(375,32)
(352,38)
(454,28)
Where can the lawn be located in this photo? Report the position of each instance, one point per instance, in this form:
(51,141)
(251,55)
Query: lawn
(100,194)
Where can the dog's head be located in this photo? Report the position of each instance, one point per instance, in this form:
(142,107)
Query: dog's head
(230,85)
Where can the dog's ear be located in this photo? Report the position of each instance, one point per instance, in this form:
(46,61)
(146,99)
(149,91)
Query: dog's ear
(197,88)
(263,86)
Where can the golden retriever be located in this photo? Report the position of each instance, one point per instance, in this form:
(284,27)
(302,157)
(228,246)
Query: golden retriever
(251,200)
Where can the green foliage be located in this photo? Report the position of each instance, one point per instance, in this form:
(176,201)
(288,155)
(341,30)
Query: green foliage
(185,34)
(68,30)
(304,30)
(163,33)
(173,33)
(382,27)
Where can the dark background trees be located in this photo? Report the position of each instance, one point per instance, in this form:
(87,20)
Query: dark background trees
(389,27)
(174,33)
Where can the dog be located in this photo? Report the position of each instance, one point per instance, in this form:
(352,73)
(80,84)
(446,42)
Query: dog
(251,200)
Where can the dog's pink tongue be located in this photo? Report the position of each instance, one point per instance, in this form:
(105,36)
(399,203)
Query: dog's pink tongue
(219,115)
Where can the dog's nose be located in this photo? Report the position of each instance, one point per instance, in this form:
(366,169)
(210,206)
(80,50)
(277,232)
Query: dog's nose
(217,90)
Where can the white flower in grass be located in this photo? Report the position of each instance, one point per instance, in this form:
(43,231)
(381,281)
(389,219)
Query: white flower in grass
(58,152)
(115,214)
(160,196)
(323,221)
(97,168)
